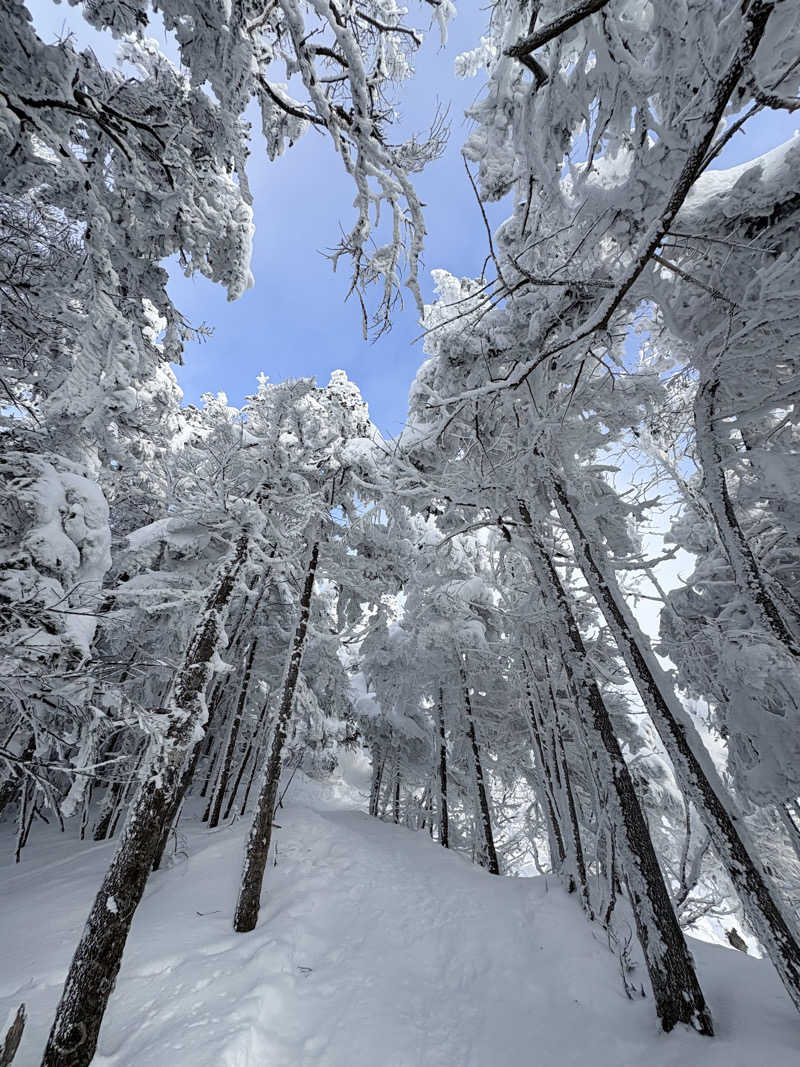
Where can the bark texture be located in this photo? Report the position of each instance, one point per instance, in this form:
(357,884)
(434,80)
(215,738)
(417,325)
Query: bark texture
(8,1050)
(558,854)
(378,762)
(696,773)
(98,957)
(221,787)
(255,862)
(491,862)
(676,990)
(444,820)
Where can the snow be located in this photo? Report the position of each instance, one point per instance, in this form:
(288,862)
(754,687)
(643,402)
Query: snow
(375,946)
(175,530)
(758,178)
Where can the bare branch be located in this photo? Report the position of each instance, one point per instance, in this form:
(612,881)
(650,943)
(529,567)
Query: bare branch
(554,29)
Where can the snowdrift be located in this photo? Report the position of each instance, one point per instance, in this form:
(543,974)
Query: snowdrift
(375,946)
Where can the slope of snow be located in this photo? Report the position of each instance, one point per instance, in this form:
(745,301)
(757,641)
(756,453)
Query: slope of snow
(375,947)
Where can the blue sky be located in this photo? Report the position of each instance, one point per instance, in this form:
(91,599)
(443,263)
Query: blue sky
(294,323)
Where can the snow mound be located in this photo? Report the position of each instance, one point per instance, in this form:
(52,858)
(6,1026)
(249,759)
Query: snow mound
(375,946)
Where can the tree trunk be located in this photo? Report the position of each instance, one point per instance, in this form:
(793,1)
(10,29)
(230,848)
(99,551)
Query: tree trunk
(577,844)
(95,965)
(251,747)
(128,788)
(187,776)
(212,774)
(171,821)
(246,620)
(444,823)
(378,762)
(385,800)
(16,775)
(257,753)
(555,836)
(25,817)
(676,990)
(396,805)
(239,775)
(696,774)
(233,736)
(425,817)
(572,841)
(12,1038)
(247,906)
(113,791)
(215,705)
(492,864)
(746,570)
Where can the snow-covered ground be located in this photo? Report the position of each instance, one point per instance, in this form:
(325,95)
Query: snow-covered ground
(376,948)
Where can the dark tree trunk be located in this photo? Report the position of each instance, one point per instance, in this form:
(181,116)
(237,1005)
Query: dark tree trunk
(238,781)
(553,784)
(251,747)
(95,965)
(87,803)
(245,622)
(257,745)
(212,773)
(187,777)
(696,774)
(574,822)
(491,861)
(103,824)
(13,1036)
(396,806)
(16,775)
(25,816)
(171,822)
(188,773)
(254,749)
(217,709)
(249,902)
(425,821)
(378,762)
(444,824)
(210,749)
(112,792)
(676,990)
(233,736)
(557,848)
(114,804)
(257,753)
(386,799)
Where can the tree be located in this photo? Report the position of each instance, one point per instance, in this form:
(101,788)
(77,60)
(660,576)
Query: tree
(327,428)
(114,173)
(574,264)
